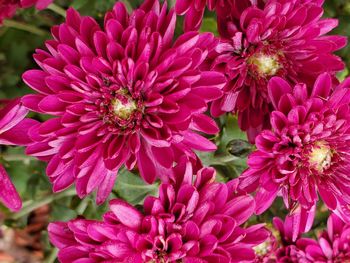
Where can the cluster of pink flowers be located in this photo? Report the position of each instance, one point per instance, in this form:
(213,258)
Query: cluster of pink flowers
(194,219)
(128,94)
(285,38)
(8,7)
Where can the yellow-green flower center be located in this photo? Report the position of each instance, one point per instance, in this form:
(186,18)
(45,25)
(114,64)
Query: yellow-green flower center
(263,248)
(124,107)
(321,156)
(267,65)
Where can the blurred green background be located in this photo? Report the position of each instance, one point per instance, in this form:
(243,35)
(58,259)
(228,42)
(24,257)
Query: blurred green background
(16,49)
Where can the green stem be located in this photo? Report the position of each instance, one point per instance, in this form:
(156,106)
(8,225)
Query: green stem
(57,9)
(225,159)
(52,256)
(24,27)
(82,206)
(33,205)
(16,157)
(172,3)
(133,186)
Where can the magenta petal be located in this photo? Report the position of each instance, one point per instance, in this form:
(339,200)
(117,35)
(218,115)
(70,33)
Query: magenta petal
(117,249)
(42,4)
(203,123)
(146,164)
(60,235)
(276,88)
(18,135)
(74,254)
(63,180)
(328,197)
(126,214)
(164,156)
(240,208)
(326,248)
(243,254)
(52,105)
(8,193)
(11,115)
(36,80)
(39,4)
(182,6)
(105,187)
(322,86)
(208,244)
(198,142)
(264,199)
(314,251)
(31,101)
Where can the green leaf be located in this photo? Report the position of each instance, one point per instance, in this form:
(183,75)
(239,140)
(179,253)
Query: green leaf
(209,25)
(133,189)
(62,213)
(32,205)
(343,74)
(77,4)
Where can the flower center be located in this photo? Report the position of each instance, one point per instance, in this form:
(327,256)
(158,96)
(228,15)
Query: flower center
(342,257)
(321,156)
(263,248)
(124,107)
(120,110)
(266,65)
(161,257)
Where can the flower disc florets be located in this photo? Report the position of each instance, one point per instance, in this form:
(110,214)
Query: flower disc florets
(121,110)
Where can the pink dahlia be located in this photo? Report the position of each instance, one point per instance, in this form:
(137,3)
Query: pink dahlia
(333,245)
(285,38)
(8,7)
(13,131)
(307,151)
(120,95)
(196,221)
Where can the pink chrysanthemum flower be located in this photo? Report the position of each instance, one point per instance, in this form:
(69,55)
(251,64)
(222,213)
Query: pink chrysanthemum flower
(307,151)
(284,38)
(8,7)
(122,95)
(13,131)
(196,220)
(285,245)
(333,245)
